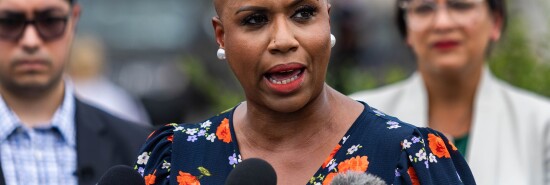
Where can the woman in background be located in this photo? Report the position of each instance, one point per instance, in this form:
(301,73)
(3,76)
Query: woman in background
(503,131)
(279,51)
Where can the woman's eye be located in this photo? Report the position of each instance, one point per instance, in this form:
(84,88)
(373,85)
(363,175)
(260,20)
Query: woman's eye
(255,20)
(425,8)
(305,13)
(460,6)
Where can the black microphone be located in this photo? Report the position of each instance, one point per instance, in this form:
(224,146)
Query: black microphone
(252,171)
(356,178)
(121,175)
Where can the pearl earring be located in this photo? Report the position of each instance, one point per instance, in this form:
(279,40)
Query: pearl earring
(332,40)
(221,54)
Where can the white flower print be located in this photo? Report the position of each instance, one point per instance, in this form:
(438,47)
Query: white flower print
(378,113)
(318,183)
(143,158)
(411,158)
(421,155)
(344,139)
(191,131)
(406,144)
(393,125)
(179,128)
(353,149)
(415,139)
(330,163)
(333,165)
(202,133)
(206,124)
(211,137)
(433,159)
(165,165)
(141,170)
(234,159)
(427,164)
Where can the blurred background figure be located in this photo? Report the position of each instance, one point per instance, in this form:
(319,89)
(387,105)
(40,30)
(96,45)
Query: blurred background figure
(87,71)
(47,135)
(454,92)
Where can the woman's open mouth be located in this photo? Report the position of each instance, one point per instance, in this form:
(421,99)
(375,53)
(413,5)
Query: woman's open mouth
(286,78)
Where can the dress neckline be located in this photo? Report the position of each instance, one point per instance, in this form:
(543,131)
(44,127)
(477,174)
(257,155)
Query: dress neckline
(341,144)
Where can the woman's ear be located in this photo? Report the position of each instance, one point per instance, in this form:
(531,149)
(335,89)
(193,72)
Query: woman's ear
(408,41)
(219,32)
(498,23)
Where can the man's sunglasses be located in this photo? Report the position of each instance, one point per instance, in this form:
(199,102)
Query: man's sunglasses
(48,28)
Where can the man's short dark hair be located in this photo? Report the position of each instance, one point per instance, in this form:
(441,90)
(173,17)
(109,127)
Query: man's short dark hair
(496,7)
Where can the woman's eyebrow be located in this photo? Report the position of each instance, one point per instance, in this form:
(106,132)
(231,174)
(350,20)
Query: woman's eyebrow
(295,2)
(263,9)
(251,8)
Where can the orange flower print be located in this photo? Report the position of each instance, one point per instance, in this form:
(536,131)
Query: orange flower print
(170,138)
(329,158)
(359,164)
(413,176)
(437,145)
(151,134)
(453,145)
(223,131)
(343,166)
(150,179)
(328,178)
(187,179)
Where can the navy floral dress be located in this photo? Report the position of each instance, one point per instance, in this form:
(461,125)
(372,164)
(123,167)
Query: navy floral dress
(397,152)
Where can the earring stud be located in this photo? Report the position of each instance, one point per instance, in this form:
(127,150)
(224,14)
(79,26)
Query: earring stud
(221,54)
(332,40)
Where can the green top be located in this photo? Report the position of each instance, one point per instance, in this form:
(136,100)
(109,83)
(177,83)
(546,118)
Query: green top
(461,144)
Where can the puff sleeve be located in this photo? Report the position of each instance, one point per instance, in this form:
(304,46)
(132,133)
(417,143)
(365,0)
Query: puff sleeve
(429,158)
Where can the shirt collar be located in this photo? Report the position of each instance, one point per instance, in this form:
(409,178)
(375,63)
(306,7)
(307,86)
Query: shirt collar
(8,121)
(63,118)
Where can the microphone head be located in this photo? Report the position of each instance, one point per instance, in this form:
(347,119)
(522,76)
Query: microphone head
(356,178)
(252,171)
(121,175)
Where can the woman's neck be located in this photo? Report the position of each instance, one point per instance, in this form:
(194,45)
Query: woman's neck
(451,100)
(315,122)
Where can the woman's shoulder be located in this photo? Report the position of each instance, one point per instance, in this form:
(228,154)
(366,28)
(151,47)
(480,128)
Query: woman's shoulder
(154,160)
(426,155)
(378,141)
(387,125)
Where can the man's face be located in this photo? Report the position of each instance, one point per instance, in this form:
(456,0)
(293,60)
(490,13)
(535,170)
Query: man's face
(35,38)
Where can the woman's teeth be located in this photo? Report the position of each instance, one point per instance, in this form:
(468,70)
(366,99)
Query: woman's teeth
(286,81)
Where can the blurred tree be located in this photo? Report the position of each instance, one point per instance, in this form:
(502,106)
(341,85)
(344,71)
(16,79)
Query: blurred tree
(514,61)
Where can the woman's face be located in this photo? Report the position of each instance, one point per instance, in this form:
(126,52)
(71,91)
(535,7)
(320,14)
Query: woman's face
(278,50)
(450,36)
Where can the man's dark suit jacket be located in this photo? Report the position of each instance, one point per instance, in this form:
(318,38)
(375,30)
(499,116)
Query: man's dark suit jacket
(102,141)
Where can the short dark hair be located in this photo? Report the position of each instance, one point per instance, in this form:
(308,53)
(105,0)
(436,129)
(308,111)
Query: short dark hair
(497,7)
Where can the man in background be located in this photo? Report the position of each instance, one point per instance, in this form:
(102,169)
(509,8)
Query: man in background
(87,69)
(47,136)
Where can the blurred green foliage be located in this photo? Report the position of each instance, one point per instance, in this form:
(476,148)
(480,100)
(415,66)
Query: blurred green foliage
(221,97)
(514,61)
(353,79)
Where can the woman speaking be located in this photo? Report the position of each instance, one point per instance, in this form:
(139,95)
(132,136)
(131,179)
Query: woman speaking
(279,51)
